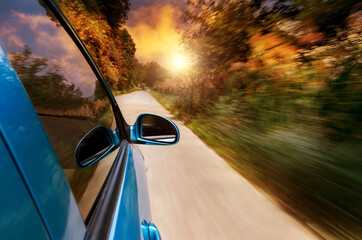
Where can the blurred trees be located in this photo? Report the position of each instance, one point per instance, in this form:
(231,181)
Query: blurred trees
(153,73)
(235,42)
(35,73)
(277,90)
(214,42)
(329,16)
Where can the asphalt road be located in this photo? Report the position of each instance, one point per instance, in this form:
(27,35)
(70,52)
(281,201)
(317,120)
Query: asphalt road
(195,194)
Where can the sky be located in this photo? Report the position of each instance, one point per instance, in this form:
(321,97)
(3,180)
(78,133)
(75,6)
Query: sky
(153,26)
(30,26)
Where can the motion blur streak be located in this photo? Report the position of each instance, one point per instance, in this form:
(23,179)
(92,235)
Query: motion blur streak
(276,90)
(195,194)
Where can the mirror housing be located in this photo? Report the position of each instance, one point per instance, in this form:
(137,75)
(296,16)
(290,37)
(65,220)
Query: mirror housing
(95,145)
(152,129)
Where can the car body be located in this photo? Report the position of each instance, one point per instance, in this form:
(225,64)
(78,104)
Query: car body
(69,168)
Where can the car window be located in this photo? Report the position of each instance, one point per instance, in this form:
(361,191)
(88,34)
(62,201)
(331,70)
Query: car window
(62,87)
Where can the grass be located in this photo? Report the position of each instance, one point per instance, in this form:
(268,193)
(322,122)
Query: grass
(315,178)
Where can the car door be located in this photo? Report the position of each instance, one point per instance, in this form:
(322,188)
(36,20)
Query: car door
(16,205)
(68,98)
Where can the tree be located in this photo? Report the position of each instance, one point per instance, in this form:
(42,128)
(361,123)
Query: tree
(115,11)
(153,73)
(44,83)
(219,32)
(112,49)
(329,15)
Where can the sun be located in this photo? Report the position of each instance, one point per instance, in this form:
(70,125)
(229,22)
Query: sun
(180,62)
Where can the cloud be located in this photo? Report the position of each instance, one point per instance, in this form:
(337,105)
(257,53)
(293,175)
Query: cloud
(47,40)
(8,32)
(154,30)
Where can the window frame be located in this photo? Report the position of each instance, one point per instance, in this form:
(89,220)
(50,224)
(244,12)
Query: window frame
(100,217)
(122,126)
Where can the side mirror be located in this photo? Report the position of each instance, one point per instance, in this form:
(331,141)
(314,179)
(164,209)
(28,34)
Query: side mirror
(94,146)
(154,130)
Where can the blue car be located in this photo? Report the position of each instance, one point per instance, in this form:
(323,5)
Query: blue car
(69,168)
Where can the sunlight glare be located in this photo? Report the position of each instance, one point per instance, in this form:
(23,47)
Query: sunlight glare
(180,62)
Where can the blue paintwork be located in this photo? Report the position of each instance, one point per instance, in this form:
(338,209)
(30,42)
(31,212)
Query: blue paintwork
(36,201)
(52,210)
(153,232)
(132,213)
(135,132)
(35,159)
(145,230)
(19,210)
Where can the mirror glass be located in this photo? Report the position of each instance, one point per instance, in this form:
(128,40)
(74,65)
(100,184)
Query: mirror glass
(93,146)
(158,129)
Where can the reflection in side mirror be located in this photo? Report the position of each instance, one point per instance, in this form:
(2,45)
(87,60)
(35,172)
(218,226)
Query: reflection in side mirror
(153,129)
(94,146)
(157,129)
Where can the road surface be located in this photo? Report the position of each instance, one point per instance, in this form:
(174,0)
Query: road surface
(195,194)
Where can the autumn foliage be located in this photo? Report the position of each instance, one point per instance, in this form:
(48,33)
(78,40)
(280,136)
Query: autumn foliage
(112,48)
(276,89)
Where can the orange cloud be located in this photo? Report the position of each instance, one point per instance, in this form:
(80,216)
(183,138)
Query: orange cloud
(154,30)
